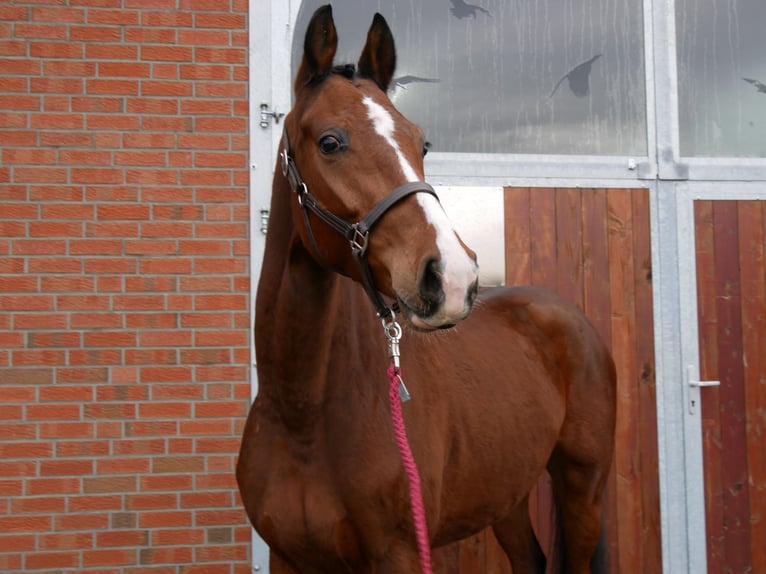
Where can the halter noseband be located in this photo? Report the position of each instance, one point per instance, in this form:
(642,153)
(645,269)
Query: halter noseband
(358,233)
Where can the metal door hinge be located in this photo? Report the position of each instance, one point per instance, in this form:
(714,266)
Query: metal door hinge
(267,115)
(694,384)
(264,220)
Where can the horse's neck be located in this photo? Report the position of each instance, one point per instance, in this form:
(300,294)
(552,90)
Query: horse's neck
(305,318)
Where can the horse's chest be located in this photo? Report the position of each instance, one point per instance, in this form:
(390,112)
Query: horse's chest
(300,515)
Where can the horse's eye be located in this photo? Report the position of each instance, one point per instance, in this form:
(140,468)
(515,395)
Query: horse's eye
(426,147)
(330,144)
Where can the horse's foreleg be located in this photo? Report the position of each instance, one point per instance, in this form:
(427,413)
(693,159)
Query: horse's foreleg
(519,542)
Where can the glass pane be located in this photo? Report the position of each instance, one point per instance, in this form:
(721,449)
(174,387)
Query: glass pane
(510,76)
(722,77)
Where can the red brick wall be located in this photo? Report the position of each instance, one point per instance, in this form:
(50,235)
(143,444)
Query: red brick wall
(123,285)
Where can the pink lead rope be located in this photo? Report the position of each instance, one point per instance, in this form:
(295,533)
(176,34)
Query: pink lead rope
(397,394)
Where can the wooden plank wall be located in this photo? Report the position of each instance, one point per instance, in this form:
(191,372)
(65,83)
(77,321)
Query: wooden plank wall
(731,282)
(592,246)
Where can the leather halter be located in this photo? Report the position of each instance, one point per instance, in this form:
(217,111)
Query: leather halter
(357,234)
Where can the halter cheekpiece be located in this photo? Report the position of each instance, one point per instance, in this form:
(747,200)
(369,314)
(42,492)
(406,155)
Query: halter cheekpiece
(358,233)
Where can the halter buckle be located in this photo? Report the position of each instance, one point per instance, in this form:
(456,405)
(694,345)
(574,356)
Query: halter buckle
(285,161)
(358,239)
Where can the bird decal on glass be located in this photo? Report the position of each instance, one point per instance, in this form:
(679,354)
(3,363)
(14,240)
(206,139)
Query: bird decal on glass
(578,78)
(759,86)
(461,9)
(404,81)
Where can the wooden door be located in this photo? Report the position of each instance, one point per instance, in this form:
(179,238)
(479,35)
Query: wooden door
(593,247)
(730,238)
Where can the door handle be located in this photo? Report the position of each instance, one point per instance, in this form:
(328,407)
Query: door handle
(693,394)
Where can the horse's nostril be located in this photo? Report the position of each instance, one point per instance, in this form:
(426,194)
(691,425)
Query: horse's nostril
(473,290)
(431,290)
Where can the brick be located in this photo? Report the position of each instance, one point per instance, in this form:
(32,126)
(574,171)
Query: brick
(109,484)
(68,138)
(167,519)
(112,557)
(40,31)
(48,50)
(144,36)
(151,357)
(175,19)
(122,392)
(219,20)
(211,320)
(149,140)
(110,339)
(39,247)
(110,265)
(17,284)
(94,357)
(126,465)
(121,193)
(165,410)
(175,338)
(165,229)
(53,339)
(220,265)
(115,17)
(54,229)
(166,555)
(177,392)
(82,375)
(177,537)
(158,374)
(35,375)
(95,33)
(121,538)
(97,104)
(55,283)
(85,157)
(38,505)
(112,229)
(57,265)
(72,467)
(222,125)
(166,88)
(120,87)
(18,101)
(66,540)
(57,560)
(82,521)
(221,284)
(148,158)
(134,447)
(175,265)
(220,301)
(83,302)
(19,542)
(122,122)
(80,448)
(169,53)
(152,176)
(66,393)
(58,14)
(19,449)
(220,55)
(124,69)
(151,320)
(39,357)
(102,51)
(198,71)
(13,431)
(67,430)
(221,409)
(109,411)
(154,283)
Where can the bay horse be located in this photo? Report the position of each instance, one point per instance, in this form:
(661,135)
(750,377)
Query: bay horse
(504,383)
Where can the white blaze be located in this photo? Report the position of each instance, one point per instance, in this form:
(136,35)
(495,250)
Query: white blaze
(458,271)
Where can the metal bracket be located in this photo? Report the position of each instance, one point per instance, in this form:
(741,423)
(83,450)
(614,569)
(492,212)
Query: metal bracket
(694,386)
(267,115)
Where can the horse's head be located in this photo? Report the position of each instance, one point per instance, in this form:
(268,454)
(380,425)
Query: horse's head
(352,149)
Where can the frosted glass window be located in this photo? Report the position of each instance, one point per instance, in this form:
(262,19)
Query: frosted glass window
(722,77)
(510,76)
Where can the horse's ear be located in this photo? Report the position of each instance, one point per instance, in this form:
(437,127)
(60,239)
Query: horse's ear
(378,59)
(319,48)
